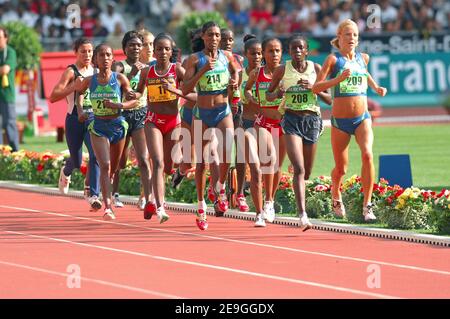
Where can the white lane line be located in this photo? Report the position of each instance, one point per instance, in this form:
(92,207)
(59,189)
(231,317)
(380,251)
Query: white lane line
(210,266)
(309,252)
(97,281)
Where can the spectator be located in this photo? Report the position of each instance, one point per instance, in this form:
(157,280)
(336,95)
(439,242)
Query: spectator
(8,64)
(388,12)
(324,28)
(139,24)
(408,26)
(443,19)
(115,39)
(260,17)
(282,22)
(161,10)
(27,17)
(38,5)
(87,24)
(346,10)
(203,5)
(9,14)
(356,16)
(99,30)
(238,20)
(111,18)
(324,10)
(180,9)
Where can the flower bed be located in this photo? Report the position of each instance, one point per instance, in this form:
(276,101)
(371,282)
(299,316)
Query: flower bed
(395,207)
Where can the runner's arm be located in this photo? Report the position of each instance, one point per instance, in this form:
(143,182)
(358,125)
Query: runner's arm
(278,75)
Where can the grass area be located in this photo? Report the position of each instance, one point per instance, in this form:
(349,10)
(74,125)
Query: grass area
(42,144)
(428,147)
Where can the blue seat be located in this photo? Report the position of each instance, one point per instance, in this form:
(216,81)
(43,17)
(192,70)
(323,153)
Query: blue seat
(396,169)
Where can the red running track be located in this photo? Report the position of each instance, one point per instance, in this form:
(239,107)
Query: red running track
(45,239)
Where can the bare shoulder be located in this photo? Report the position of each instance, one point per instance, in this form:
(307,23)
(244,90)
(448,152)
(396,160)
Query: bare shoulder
(365,57)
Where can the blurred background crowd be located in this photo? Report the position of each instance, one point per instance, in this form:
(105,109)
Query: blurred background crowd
(109,20)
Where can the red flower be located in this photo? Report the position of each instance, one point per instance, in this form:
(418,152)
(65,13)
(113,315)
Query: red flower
(398,193)
(389,200)
(40,167)
(441,193)
(83,169)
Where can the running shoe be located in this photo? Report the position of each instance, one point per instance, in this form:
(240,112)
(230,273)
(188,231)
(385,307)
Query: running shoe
(141,203)
(221,204)
(95,203)
(162,215)
(338,208)
(109,214)
(116,201)
(177,177)
(368,213)
(64,181)
(269,211)
(304,223)
(201,221)
(242,203)
(87,193)
(211,194)
(149,210)
(260,222)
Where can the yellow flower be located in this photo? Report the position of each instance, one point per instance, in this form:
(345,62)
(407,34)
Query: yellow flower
(448,206)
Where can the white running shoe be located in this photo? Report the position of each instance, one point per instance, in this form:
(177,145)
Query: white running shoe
(260,222)
(95,203)
(116,201)
(269,211)
(87,193)
(64,181)
(162,215)
(141,203)
(368,213)
(109,214)
(304,223)
(338,208)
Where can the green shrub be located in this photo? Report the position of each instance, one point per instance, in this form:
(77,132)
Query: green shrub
(194,21)
(26,42)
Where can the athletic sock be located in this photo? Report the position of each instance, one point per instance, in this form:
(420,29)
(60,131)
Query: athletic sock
(202,205)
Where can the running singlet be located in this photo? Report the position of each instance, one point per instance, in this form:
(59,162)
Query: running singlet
(237,96)
(244,83)
(134,84)
(110,91)
(214,81)
(72,97)
(262,85)
(155,91)
(356,83)
(297,98)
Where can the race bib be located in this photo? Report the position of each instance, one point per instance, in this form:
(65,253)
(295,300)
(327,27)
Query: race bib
(156,93)
(262,91)
(298,99)
(214,80)
(356,83)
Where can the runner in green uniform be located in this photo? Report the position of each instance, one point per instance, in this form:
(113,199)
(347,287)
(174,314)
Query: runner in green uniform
(131,67)
(109,127)
(301,123)
(215,74)
(349,79)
